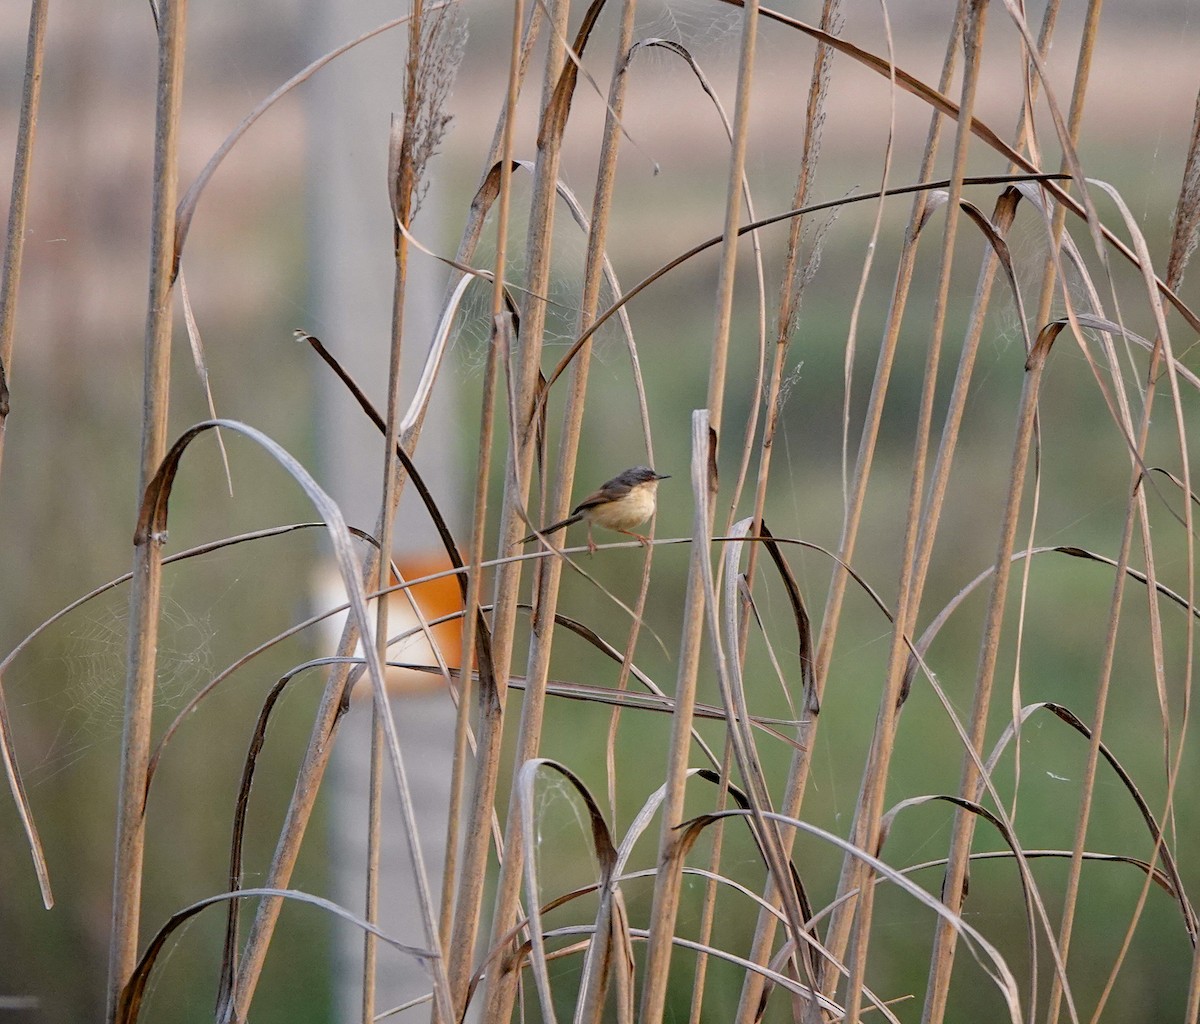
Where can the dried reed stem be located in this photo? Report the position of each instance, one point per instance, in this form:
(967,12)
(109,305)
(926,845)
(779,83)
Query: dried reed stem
(790,294)
(463,882)
(946,936)
(918,540)
(14,238)
(706,431)
(401,184)
(524,364)
(147,561)
(10,281)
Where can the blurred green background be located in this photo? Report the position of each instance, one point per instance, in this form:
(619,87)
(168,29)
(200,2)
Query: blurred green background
(67,491)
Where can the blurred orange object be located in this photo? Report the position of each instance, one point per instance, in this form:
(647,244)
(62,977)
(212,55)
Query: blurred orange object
(435,598)
(413,665)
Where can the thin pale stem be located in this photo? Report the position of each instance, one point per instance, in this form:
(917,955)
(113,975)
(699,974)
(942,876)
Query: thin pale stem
(145,592)
(465,868)
(918,539)
(524,363)
(14,239)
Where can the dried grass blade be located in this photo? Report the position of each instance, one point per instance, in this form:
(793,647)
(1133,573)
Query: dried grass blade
(17,786)
(594,980)
(427,499)
(1162,351)
(554,116)
(15,234)
(931,631)
(187,205)
(145,593)
(132,995)
(241,808)
(955,885)
(851,347)
(198,360)
(152,522)
(1173,883)
(723,622)
(948,107)
(804,638)
(1136,517)
(986,955)
(626,297)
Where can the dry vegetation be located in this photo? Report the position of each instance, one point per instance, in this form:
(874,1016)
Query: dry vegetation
(891,720)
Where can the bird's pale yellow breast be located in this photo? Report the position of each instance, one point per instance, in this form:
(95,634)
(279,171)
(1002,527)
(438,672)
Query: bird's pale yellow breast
(635,508)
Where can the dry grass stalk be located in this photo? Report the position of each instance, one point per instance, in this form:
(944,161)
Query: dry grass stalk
(14,237)
(705,438)
(524,361)
(795,276)
(919,532)
(471,856)
(466,854)
(594,983)
(427,84)
(145,592)
(10,281)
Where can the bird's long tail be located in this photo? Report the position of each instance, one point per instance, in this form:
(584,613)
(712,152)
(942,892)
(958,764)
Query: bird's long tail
(554,527)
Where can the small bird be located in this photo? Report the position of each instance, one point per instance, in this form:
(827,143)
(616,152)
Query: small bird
(625,501)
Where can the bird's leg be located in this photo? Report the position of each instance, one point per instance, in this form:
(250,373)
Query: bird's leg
(591,543)
(644,541)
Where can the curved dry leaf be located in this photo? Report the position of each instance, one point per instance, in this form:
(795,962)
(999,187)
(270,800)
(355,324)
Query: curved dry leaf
(151,529)
(187,205)
(723,619)
(1028,887)
(800,614)
(241,809)
(130,1003)
(986,955)
(938,101)
(1064,714)
(554,117)
(602,847)
(200,362)
(16,785)
(625,298)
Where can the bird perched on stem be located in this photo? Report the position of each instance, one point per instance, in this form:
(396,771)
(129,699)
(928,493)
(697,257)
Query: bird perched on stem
(625,501)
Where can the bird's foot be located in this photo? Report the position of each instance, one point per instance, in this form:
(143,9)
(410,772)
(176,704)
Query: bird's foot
(643,541)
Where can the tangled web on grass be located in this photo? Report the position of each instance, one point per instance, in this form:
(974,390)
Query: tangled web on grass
(706,29)
(93,701)
(472,326)
(560,822)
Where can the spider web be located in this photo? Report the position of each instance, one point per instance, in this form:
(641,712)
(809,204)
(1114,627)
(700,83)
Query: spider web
(92,701)
(472,329)
(705,28)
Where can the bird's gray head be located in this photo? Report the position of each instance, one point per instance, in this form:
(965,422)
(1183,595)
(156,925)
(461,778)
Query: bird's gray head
(641,475)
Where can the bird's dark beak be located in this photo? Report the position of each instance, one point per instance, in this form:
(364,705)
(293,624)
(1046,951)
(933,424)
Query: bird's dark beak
(662,476)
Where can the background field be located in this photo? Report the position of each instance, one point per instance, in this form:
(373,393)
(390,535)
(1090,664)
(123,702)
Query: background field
(276,245)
